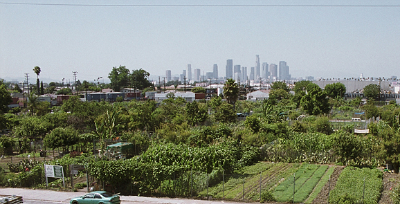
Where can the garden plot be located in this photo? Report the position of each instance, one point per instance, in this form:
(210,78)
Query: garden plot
(358,185)
(301,183)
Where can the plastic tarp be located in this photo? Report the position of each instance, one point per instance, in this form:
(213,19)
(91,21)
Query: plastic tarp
(123,146)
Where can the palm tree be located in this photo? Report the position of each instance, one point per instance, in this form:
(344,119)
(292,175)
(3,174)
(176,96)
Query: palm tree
(36,69)
(231,91)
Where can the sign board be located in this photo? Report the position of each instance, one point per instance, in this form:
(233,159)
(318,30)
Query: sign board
(54,171)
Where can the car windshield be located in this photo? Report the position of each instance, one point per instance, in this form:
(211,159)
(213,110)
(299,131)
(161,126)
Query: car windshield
(107,194)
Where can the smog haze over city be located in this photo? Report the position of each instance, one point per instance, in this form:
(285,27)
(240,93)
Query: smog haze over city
(342,38)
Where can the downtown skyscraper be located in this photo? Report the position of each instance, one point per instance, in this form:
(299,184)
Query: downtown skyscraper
(283,71)
(229,69)
(189,72)
(257,74)
(215,71)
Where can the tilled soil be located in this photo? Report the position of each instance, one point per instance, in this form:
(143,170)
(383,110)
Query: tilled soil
(323,195)
(390,180)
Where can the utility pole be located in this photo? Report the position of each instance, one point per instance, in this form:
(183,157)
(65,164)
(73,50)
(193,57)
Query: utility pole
(164,84)
(27,82)
(184,84)
(159,82)
(23,86)
(75,72)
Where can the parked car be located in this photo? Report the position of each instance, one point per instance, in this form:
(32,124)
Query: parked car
(97,197)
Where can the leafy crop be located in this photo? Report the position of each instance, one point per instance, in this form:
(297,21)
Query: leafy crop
(350,186)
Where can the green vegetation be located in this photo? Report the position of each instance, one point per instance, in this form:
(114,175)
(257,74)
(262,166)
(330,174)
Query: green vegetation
(190,148)
(321,184)
(305,179)
(355,182)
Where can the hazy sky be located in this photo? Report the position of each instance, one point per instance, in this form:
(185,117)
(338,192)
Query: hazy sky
(93,36)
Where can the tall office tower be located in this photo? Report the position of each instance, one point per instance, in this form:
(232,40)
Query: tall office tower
(237,73)
(215,71)
(168,75)
(252,73)
(264,71)
(196,75)
(244,74)
(189,72)
(258,75)
(283,71)
(274,71)
(209,75)
(236,68)
(229,69)
(182,77)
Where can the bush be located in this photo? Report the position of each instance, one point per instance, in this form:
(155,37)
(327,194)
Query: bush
(80,185)
(267,196)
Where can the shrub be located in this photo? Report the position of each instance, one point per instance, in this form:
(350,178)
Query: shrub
(267,196)
(80,185)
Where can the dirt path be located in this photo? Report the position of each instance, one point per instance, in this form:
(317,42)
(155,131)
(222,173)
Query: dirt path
(390,180)
(323,195)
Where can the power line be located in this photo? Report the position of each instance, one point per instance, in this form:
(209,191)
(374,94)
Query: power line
(202,5)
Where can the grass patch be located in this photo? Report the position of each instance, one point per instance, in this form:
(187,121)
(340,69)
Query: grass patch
(320,184)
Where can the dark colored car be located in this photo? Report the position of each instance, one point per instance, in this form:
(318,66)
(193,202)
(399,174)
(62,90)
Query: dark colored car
(97,197)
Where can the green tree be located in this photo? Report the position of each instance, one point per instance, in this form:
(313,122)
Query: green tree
(5,97)
(199,89)
(301,86)
(17,88)
(225,113)
(371,111)
(316,101)
(119,78)
(231,91)
(37,71)
(195,114)
(140,79)
(372,91)
(335,90)
(278,94)
(64,91)
(61,137)
(279,85)
(253,123)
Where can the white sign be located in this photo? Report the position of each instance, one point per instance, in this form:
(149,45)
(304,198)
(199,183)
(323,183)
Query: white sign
(54,171)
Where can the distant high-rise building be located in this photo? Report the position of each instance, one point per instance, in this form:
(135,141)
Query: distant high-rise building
(273,68)
(189,72)
(215,71)
(244,74)
(209,75)
(258,75)
(236,68)
(182,77)
(229,69)
(264,71)
(168,75)
(283,71)
(237,73)
(252,73)
(196,75)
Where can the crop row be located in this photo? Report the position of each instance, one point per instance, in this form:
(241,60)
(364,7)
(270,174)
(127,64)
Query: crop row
(358,185)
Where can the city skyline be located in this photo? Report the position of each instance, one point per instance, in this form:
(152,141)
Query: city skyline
(316,38)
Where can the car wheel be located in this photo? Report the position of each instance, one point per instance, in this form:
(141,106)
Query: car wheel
(100,203)
(74,202)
